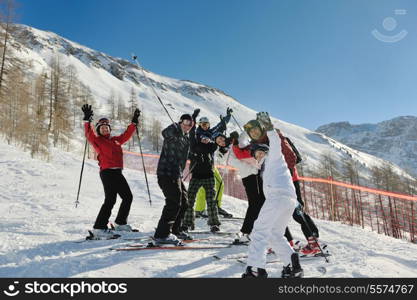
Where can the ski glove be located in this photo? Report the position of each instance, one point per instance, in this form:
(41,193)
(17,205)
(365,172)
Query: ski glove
(234,135)
(223,150)
(88,112)
(195,114)
(136,115)
(229,111)
(265,120)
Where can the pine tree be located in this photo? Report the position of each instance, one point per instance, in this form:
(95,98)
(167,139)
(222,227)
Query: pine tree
(7,8)
(112,104)
(156,134)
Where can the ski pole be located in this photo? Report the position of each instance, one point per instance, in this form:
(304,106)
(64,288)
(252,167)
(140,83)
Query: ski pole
(189,171)
(81,175)
(143,165)
(237,123)
(312,234)
(134,57)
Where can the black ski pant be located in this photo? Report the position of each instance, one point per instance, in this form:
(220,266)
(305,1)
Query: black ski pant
(176,203)
(114,183)
(307,224)
(254,191)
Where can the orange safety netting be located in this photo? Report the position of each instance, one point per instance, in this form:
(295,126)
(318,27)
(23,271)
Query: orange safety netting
(385,212)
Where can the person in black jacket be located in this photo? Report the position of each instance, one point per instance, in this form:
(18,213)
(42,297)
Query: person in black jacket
(204,129)
(170,169)
(201,168)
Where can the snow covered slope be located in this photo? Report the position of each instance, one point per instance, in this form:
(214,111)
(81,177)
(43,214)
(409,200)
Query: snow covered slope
(104,74)
(394,140)
(40,224)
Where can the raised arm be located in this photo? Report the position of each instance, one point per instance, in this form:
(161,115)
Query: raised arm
(221,126)
(125,136)
(89,133)
(88,115)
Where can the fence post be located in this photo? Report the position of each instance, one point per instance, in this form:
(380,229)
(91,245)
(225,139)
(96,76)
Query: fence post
(332,200)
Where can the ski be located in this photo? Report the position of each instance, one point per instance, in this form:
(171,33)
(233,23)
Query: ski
(231,218)
(238,243)
(116,236)
(91,237)
(151,246)
(322,270)
(223,218)
(221,233)
(188,242)
(315,255)
(243,261)
(243,256)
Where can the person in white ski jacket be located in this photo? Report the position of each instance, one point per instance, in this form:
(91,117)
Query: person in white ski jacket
(249,170)
(276,212)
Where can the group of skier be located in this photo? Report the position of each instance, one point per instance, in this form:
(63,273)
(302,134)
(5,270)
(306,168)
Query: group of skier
(265,159)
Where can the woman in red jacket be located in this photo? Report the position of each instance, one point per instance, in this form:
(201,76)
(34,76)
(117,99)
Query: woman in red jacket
(110,159)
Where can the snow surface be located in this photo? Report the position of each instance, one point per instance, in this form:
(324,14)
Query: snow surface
(40,225)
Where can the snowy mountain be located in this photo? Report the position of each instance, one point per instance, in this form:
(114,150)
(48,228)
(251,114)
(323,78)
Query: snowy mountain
(41,231)
(394,140)
(105,74)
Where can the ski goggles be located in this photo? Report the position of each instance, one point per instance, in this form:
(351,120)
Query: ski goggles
(248,126)
(204,124)
(103,121)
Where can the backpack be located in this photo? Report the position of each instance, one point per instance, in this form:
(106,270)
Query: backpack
(299,158)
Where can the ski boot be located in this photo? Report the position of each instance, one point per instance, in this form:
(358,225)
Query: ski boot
(224,213)
(241,239)
(260,273)
(214,228)
(294,270)
(183,235)
(311,249)
(102,234)
(170,239)
(126,228)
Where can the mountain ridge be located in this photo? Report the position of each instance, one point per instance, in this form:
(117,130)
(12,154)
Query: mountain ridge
(394,140)
(105,74)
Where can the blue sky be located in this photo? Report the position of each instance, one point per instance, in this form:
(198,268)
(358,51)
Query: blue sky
(308,62)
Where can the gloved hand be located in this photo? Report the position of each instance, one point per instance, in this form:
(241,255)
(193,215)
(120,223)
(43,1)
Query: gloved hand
(136,115)
(234,135)
(205,140)
(299,209)
(229,111)
(223,150)
(265,120)
(88,112)
(195,114)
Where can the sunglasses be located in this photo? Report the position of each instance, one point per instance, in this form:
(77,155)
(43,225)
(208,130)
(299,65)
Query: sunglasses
(187,124)
(205,124)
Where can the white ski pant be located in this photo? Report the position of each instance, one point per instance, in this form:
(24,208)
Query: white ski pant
(281,199)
